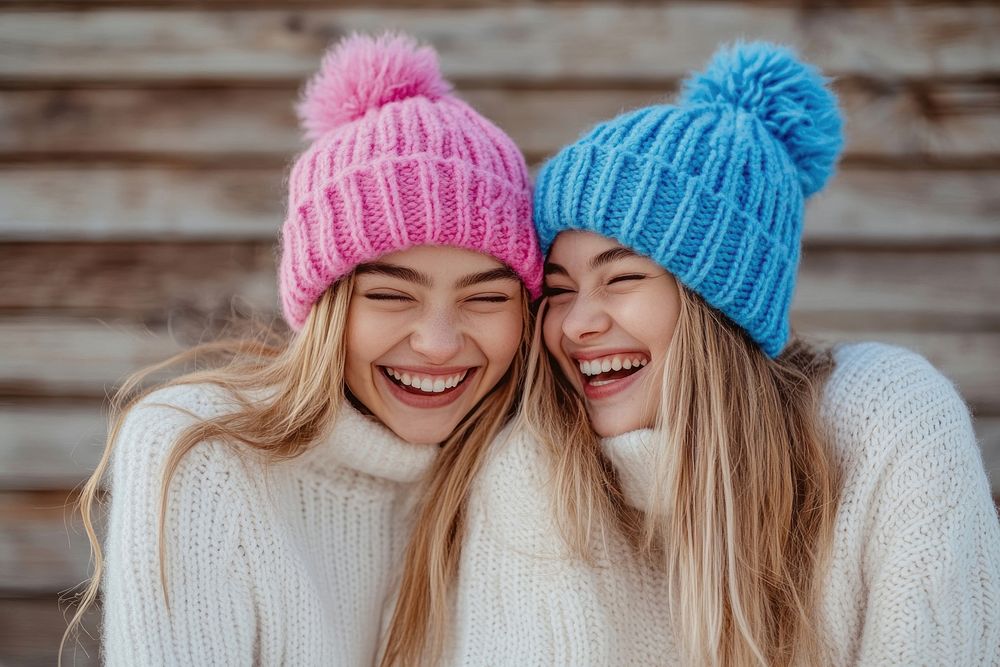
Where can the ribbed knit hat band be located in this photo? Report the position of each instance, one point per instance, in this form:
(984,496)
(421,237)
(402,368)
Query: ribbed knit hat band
(713,188)
(397,161)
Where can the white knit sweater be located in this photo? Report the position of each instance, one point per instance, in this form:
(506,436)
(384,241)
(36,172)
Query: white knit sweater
(915,574)
(287,564)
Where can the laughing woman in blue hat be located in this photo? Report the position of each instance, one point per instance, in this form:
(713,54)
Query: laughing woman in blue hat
(695,486)
(804,506)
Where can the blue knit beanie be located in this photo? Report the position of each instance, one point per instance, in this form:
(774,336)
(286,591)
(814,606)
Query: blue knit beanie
(712,188)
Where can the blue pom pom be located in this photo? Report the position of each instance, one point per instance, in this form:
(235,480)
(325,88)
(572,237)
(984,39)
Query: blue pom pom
(789,97)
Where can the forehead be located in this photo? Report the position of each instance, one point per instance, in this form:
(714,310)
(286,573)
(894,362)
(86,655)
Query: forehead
(578,252)
(574,244)
(441,261)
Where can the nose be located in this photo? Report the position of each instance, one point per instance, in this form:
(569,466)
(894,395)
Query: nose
(585,319)
(437,337)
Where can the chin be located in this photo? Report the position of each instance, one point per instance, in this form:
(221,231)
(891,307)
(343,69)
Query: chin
(610,426)
(420,435)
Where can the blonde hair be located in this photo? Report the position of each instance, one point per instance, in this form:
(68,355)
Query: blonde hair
(740,515)
(303,377)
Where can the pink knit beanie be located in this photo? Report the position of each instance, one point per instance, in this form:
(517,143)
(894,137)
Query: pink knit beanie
(397,161)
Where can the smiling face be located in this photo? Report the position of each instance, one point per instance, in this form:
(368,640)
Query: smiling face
(430,331)
(608,322)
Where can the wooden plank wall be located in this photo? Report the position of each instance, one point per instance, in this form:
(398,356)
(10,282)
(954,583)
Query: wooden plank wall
(143,145)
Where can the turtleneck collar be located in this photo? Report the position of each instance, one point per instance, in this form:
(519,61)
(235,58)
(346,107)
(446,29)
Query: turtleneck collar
(631,454)
(364,444)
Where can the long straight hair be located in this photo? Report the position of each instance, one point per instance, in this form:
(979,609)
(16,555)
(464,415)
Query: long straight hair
(301,378)
(740,516)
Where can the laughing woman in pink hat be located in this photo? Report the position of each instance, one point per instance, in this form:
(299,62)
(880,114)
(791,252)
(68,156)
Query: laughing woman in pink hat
(259,506)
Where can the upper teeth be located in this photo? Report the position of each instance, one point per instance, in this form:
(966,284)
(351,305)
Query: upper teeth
(613,363)
(431,385)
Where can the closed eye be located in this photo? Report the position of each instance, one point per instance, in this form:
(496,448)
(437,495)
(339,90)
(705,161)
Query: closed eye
(629,276)
(549,290)
(382,296)
(492,298)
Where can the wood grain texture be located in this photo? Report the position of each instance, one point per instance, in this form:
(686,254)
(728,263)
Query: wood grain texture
(31,629)
(939,121)
(76,357)
(887,289)
(46,446)
(524,43)
(121,202)
(43,549)
(862,206)
(234,122)
(149,282)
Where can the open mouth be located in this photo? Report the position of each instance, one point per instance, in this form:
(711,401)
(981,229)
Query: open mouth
(609,369)
(420,384)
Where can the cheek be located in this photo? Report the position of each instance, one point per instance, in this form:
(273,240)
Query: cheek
(365,342)
(665,321)
(651,316)
(552,331)
(658,331)
(354,363)
(499,338)
(552,336)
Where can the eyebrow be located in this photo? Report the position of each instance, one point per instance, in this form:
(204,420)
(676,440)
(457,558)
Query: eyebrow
(393,271)
(596,262)
(612,255)
(500,273)
(422,279)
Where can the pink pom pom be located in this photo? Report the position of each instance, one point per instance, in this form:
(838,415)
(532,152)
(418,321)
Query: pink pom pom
(363,72)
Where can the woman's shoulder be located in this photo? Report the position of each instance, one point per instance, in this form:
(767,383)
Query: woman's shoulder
(887,406)
(871,358)
(151,428)
(164,414)
(895,384)
(182,402)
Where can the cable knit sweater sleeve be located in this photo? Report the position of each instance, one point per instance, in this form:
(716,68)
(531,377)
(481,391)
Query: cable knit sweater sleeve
(914,576)
(207,580)
(916,504)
